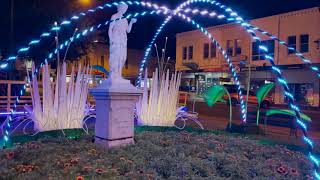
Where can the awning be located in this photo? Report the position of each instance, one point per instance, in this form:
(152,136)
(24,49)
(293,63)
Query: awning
(192,65)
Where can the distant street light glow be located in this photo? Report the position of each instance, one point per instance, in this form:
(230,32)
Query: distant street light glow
(85,2)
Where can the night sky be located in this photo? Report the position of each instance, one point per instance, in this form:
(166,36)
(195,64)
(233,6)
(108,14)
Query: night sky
(32,17)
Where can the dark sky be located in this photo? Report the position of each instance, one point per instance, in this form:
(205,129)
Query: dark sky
(32,17)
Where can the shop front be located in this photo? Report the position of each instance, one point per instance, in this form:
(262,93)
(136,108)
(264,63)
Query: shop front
(200,81)
(303,85)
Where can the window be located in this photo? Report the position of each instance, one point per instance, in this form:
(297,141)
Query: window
(292,43)
(238,46)
(257,54)
(230,47)
(206,51)
(213,50)
(190,55)
(304,43)
(102,61)
(184,53)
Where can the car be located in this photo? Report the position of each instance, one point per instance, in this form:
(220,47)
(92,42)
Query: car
(235,99)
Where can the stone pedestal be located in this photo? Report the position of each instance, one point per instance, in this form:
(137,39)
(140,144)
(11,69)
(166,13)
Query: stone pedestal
(115,103)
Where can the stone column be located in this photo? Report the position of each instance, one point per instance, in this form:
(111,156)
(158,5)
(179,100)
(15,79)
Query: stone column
(115,103)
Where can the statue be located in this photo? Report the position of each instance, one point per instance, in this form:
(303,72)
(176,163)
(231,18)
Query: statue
(116,97)
(118,41)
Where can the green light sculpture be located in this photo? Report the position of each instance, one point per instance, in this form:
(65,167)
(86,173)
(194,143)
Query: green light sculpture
(214,94)
(261,95)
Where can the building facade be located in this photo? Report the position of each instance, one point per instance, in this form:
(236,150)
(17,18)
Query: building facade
(203,65)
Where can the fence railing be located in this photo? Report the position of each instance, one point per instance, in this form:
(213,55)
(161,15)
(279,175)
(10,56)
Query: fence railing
(8,95)
(8,89)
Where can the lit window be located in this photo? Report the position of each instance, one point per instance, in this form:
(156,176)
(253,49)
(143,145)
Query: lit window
(257,54)
(230,47)
(206,51)
(184,53)
(238,46)
(292,43)
(304,43)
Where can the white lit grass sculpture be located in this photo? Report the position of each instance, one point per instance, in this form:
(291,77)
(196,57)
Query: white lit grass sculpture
(64,104)
(159,108)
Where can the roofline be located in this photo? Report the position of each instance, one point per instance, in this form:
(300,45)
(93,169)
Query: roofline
(235,24)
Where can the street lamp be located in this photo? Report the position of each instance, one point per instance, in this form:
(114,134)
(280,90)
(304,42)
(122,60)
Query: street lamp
(85,2)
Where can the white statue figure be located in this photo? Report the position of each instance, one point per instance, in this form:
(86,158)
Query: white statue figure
(118,41)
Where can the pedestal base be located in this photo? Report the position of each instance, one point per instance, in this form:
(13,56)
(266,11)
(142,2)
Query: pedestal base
(107,144)
(115,103)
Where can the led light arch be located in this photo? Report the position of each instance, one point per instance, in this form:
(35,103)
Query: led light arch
(206,33)
(281,80)
(55,28)
(50,57)
(255,38)
(177,12)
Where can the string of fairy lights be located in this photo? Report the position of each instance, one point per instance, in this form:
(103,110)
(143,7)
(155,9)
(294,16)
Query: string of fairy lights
(52,33)
(281,80)
(292,104)
(50,57)
(255,37)
(249,31)
(233,16)
(4,64)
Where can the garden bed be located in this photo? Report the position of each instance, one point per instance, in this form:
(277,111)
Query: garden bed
(159,153)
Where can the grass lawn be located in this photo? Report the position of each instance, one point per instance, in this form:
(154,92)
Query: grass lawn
(159,153)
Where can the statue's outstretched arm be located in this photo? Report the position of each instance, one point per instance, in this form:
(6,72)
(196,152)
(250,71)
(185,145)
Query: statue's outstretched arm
(133,20)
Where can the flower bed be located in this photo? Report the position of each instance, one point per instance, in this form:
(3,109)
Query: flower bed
(157,154)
